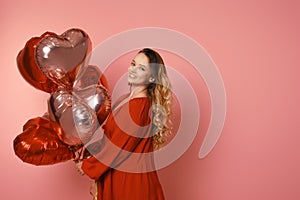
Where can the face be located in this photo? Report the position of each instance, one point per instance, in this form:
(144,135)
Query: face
(139,72)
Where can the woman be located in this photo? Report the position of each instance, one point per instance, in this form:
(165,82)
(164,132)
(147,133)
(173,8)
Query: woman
(123,165)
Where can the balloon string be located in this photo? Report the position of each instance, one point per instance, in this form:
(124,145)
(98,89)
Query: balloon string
(94,186)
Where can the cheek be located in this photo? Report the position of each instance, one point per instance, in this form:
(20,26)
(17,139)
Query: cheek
(145,77)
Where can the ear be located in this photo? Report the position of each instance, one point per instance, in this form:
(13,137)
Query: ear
(151,80)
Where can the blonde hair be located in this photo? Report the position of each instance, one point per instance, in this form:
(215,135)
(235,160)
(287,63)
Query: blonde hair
(161,98)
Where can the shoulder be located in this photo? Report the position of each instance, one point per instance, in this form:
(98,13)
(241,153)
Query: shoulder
(139,110)
(140,101)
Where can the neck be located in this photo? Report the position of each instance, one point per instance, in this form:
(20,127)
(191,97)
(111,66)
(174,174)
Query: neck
(138,91)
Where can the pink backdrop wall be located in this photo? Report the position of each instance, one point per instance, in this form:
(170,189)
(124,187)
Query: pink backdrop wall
(255,44)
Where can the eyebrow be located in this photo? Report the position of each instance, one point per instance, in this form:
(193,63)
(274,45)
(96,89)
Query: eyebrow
(140,64)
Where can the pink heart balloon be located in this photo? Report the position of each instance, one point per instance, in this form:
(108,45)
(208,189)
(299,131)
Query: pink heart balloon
(61,56)
(76,118)
(80,112)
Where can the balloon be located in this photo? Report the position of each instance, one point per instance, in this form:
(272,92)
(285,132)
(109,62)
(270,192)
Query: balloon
(79,101)
(77,111)
(74,116)
(91,81)
(60,57)
(39,144)
(28,68)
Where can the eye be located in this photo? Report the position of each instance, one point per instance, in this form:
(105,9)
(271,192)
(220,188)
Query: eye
(132,64)
(142,68)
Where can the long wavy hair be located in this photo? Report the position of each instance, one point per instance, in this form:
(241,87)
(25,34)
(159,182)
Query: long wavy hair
(161,98)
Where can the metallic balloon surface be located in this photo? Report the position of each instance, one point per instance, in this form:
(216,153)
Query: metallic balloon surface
(77,120)
(91,85)
(28,68)
(60,57)
(77,111)
(39,144)
(79,101)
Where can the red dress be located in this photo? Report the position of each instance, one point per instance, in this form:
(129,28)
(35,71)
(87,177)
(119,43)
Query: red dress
(123,172)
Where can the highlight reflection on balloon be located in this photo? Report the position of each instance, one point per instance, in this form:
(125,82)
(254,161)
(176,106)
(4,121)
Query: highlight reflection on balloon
(76,118)
(51,63)
(91,86)
(61,56)
(39,144)
(28,67)
(77,111)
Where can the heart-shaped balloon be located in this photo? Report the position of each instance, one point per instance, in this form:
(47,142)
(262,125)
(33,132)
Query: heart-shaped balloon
(76,118)
(29,69)
(76,107)
(92,86)
(39,143)
(60,57)
(79,113)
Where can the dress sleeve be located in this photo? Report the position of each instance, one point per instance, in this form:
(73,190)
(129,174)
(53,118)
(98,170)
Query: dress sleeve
(125,132)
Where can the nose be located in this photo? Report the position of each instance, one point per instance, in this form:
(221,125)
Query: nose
(131,68)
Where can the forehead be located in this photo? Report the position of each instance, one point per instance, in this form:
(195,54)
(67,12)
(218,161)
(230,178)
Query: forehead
(141,59)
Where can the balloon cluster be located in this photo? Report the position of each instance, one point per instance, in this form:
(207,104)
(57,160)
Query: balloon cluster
(79,101)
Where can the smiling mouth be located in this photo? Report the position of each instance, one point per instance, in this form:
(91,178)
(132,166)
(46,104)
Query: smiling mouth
(131,75)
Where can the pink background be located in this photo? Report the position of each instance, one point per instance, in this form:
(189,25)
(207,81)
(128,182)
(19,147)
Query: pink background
(254,43)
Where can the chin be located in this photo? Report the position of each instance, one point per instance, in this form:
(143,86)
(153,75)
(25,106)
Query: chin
(130,80)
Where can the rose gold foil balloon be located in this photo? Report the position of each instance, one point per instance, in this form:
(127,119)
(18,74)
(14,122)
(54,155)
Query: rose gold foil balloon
(60,57)
(29,69)
(76,118)
(51,63)
(90,83)
(77,111)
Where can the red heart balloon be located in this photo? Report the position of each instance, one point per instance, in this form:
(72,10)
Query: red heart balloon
(60,57)
(39,144)
(51,63)
(29,69)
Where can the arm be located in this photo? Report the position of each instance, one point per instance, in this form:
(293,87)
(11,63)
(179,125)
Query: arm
(118,142)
